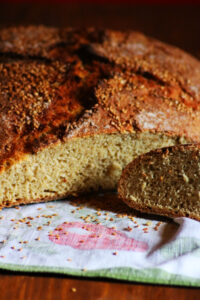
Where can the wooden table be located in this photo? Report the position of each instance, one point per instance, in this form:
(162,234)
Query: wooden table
(178,25)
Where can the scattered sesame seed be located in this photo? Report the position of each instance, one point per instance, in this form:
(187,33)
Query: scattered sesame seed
(84,269)
(128,228)
(113,233)
(148,223)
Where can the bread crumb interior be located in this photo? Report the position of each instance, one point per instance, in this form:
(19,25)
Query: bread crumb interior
(77,166)
(165,184)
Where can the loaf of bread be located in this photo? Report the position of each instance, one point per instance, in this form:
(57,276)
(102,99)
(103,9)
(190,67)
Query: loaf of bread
(164,181)
(76,106)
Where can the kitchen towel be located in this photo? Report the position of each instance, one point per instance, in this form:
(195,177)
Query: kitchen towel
(99,236)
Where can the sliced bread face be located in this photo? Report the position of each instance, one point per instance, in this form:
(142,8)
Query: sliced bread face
(164,181)
(73,167)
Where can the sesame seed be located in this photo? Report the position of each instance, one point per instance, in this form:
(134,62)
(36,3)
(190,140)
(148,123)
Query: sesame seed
(128,228)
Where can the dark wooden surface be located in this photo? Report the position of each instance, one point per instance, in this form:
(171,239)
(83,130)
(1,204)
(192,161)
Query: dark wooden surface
(18,287)
(179,25)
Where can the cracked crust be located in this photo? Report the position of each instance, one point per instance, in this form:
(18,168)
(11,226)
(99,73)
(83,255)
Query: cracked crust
(57,84)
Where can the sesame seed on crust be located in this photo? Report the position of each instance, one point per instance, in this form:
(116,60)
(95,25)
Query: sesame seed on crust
(57,84)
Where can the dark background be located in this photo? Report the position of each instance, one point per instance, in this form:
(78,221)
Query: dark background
(175,24)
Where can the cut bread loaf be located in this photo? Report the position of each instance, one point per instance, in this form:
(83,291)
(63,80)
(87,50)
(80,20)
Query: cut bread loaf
(164,181)
(76,106)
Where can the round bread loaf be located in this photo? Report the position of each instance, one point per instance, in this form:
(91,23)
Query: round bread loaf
(164,181)
(76,106)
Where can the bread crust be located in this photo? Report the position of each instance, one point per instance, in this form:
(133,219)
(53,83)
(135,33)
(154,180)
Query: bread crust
(58,84)
(159,211)
(31,201)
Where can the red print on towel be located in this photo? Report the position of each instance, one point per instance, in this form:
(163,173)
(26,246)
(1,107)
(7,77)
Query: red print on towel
(94,236)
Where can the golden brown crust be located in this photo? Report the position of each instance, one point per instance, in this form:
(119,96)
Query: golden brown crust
(56,84)
(29,201)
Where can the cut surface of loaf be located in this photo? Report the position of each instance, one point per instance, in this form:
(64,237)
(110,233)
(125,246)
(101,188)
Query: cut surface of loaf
(164,181)
(77,105)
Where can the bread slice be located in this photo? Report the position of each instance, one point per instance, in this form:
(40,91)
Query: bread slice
(76,106)
(164,181)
